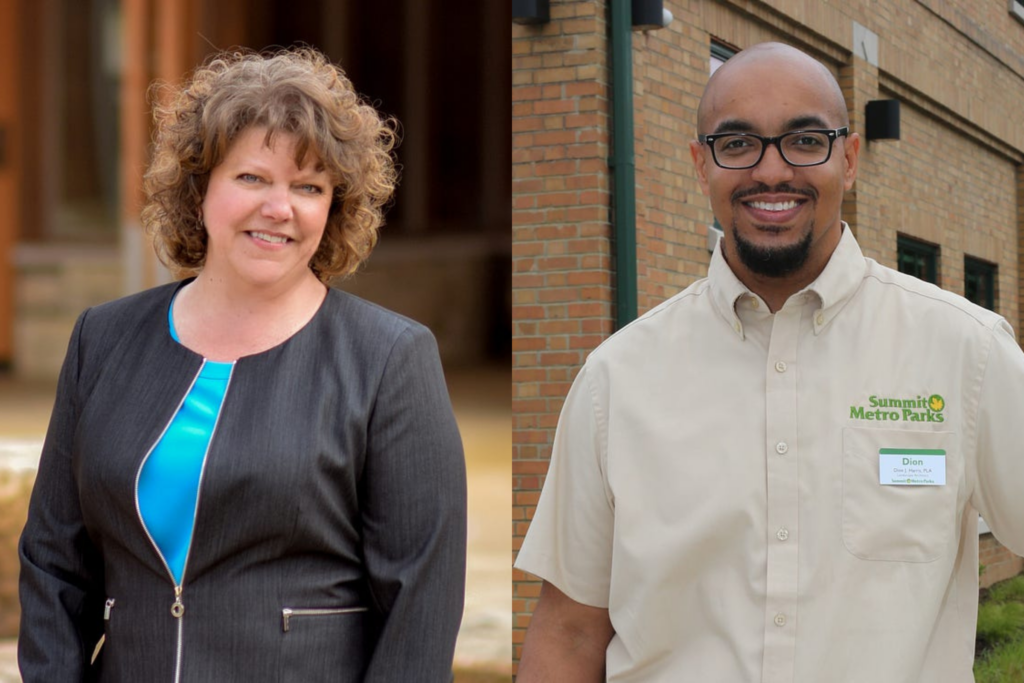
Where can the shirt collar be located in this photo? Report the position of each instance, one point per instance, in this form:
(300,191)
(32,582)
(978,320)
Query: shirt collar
(726,289)
(834,287)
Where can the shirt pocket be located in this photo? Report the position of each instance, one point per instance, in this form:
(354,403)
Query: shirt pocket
(890,522)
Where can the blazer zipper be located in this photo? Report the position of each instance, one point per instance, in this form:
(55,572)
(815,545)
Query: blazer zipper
(178,606)
(288,612)
(99,644)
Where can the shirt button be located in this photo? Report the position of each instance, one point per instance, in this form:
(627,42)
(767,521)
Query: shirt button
(782,534)
(753,303)
(780,619)
(780,366)
(781,447)
(737,327)
(820,319)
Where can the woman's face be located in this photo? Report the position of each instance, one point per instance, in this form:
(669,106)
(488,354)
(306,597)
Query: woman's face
(264,215)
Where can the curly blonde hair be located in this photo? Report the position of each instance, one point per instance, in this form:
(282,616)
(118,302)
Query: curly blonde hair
(297,92)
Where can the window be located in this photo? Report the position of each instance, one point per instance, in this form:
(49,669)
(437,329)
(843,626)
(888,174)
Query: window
(1017,9)
(980,282)
(720,52)
(917,258)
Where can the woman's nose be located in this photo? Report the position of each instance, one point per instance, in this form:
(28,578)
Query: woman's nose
(277,204)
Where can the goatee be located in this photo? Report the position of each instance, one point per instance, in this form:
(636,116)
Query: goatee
(772,261)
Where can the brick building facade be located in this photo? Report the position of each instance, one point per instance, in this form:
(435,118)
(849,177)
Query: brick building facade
(950,189)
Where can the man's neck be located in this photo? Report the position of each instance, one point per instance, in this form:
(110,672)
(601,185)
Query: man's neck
(775,291)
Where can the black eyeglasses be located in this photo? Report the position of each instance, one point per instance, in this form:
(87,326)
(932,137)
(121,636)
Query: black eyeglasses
(801,148)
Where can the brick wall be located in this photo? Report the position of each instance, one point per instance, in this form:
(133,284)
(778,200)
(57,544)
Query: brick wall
(561,263)
(998,562)
(954,179)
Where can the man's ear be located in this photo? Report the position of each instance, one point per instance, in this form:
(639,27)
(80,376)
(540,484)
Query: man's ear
(851,150)
(700,161)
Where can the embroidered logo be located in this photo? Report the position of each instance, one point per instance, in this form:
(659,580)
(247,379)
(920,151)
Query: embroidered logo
(901,409)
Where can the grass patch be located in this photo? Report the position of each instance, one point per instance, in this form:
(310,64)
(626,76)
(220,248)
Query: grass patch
(1005,591)
(999,622)
(1000,643)
(1002,664)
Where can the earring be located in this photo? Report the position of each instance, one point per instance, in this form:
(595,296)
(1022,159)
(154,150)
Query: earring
(200,225)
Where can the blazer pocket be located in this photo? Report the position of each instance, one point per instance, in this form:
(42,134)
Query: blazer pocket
(289,613)
(323,643)
(108,609)
(897,523)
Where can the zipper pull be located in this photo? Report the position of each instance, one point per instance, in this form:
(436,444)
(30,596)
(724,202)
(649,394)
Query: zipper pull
(96,650)
(178,608)
(286,614)
(106,609)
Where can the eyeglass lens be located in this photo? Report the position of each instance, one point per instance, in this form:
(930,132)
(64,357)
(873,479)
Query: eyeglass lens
(798,149)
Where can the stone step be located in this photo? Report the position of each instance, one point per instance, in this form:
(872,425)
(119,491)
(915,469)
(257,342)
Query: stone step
(54,283)
(18,462)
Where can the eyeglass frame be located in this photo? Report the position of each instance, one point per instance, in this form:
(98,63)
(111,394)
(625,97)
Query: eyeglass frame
(832,133)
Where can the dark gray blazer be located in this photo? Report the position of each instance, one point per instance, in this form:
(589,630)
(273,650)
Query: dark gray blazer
(334,487)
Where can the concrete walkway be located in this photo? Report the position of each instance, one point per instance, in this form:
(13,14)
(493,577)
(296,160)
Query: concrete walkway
(483,409)
(8,662)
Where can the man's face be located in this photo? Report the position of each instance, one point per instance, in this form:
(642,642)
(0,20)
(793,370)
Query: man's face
(779,220)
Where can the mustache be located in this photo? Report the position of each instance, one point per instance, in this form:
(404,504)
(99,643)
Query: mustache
(762,188)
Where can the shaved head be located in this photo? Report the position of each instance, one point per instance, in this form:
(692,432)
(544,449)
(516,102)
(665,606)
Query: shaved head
(779,61)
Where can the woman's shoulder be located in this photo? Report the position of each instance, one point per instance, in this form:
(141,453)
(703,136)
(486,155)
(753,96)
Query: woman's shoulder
(146,307)
(368,320)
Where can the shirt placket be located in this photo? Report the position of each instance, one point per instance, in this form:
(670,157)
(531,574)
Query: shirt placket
(781,452)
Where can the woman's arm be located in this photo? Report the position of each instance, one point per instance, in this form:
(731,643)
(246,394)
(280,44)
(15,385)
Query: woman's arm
(61,571)
(413,505)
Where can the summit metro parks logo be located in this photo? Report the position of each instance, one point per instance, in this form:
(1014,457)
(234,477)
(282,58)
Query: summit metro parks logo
(886,409)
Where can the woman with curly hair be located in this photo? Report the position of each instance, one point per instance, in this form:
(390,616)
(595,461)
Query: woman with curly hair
(248,475)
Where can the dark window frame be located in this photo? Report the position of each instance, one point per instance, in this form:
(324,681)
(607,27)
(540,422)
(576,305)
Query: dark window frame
(914,256)
(980,282)
(722,51)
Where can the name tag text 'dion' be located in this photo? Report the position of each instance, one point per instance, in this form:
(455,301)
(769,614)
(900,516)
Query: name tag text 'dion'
(912,466)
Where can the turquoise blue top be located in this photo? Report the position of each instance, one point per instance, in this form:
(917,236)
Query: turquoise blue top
(168,486)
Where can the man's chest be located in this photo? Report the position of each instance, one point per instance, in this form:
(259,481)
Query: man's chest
(847,438)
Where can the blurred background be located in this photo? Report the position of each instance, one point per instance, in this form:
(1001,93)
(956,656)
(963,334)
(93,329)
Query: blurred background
(75,128)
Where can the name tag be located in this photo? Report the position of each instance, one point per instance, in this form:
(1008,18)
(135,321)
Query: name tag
(911,467)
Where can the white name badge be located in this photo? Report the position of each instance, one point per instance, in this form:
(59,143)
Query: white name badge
(912,467)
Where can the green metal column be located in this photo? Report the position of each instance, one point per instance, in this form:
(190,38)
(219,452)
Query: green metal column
(623,163)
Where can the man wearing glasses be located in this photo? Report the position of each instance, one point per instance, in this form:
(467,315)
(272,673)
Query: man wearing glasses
(775,475)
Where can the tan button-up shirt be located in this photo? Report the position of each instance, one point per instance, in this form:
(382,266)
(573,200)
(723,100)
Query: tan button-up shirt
(717,481)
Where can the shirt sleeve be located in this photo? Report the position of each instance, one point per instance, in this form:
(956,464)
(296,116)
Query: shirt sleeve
(999,488)
(413,506)
(61,581)
(569,542)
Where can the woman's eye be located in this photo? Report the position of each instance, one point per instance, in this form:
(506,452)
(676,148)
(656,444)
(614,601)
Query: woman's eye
(248,178)
(312,189)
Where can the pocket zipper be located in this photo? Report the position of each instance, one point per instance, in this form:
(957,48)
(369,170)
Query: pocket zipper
(287,613)
(99,644)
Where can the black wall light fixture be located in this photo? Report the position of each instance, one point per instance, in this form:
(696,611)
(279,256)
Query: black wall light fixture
(530,12)
(650,15)
(882,120)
